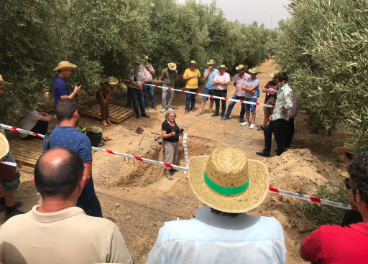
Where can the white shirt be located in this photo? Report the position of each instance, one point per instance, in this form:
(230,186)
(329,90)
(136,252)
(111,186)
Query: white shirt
(146,73)
(28,122)
(213,239)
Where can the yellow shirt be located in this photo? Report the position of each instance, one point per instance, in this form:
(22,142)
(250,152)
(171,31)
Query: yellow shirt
(192,83)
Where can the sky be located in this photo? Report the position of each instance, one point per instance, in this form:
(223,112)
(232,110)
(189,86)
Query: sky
(267,12)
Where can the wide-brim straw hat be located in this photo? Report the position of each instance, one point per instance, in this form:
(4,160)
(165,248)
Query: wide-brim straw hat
(112,80)
(65,65)
(2,81)
(4,146)
(241,67)
(193,62)
(253,70)
(211,62)
(229,171)
(345,149)
(172,66)
(95,129)
(223,66)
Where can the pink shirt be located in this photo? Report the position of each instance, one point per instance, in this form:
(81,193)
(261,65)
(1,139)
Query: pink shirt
(222,78)
(239,83)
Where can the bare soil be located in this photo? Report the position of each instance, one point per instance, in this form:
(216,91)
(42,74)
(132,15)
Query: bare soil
(139,199)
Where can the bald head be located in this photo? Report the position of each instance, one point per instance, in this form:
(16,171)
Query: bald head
(58,172)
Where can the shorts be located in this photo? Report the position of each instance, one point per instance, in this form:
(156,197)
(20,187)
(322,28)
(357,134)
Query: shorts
(268,111)
(10,186)
(209,92)
(250,107)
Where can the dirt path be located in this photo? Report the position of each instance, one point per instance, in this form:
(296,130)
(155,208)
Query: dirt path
(139,199)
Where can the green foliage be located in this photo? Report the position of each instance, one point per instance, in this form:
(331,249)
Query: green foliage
(323,47)
(104,37)
(323,214)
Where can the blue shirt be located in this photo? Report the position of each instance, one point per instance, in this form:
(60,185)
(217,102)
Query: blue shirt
(59,88)
(250,83)
(219,239)
(72,138)
(209,81)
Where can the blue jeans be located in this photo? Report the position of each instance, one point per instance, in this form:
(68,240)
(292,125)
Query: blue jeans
(149,89)
(190,98)
(250,107)
(138,101)
(91,207)
(231,106)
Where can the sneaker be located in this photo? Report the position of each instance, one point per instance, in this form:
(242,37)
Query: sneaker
(244,123)
(147,116)
(198,114)
(163,110)
(252,126)
(17,204)
(186,112)
(154,108)
(170,109)
(168,175)
(14,213)
(260,128)
(263,154)
(225,118)
(214,114)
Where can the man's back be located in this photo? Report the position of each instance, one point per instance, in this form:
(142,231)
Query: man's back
(210,238)
(67,236)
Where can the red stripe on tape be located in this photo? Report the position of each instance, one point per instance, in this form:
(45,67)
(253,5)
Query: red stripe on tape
(109,151)
(226,98)
(169,88)
(15,129)
(183,91)
(168,165)
(143,84)
(156,86)
(315,199)
(273,190)
(257,103)
(242,101)
(138,158)
(197,93)
(36,134)
(273,106)
(211,95)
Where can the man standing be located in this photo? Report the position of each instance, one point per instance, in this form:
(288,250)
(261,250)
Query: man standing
(336,244)
(56,231)
(135,90)
(169,76)
(291,123)
(209,88)
(8,187)
(270,89)
(191,76)
(66,134)
(238,81)
(251,87)
(146,70)
(230,185)
(59,86)
(280,117)
(222,80)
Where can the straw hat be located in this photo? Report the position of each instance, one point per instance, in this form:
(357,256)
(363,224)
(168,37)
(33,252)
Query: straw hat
(4,146)
(223,66)
(253,70)
(95,129)
(241,66)
(65,65)
(227,181)
(147,58)
(112,80)
(2,81)
(211,62)
(192,62)
(172,66)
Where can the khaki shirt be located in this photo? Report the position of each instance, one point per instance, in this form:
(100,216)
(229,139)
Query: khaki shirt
(68,236)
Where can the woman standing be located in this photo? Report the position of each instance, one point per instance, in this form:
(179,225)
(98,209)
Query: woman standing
(170,142)
(103,96)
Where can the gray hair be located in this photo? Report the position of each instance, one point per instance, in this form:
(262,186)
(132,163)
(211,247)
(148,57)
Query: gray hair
(169,113)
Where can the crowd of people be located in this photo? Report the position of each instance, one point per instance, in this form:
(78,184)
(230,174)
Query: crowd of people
(68,226)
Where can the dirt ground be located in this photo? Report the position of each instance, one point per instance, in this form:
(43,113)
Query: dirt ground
(139,199)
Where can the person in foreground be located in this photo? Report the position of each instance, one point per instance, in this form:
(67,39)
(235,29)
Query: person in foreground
(56,231)
(336,244)
(229,184)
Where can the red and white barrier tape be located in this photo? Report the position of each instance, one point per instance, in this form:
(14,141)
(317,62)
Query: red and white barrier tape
(271,189)
(207,95)
(168,165)
(309,198)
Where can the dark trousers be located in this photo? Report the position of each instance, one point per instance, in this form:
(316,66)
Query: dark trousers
(104,107)
(279,128)
(190,99)
(91,207)
(138,101)
(40,128)
(231,106)
(290,132)
(220,93)
(148,89)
